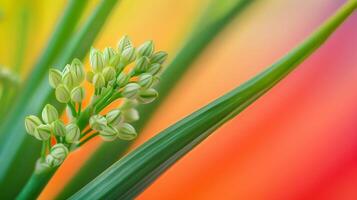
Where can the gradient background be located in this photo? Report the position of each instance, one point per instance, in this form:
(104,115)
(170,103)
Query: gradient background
(299,141)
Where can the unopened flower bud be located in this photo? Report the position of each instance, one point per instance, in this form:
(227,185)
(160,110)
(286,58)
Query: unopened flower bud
(62,94)
(124,43)
(108,54)
(158,57)
(146,80)
(68,80)
(90,76)
(126,132)
(57,155)
(147,96)
(114,117)
(58,128)
(55,77)
(52,161)
(77,94)
(31,123)
(49,114)
(42,132)
(122,79)
(128,55)
(98,80)
(131,115)
(77,71)
(142,64)
(97,122)
(154,69)
(146,49)
(66,69)
(109,73)
(108,134)
(131,90)
(96,60)
(115,62)
(73,133)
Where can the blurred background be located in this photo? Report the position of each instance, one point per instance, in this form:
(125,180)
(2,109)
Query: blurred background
(299,141)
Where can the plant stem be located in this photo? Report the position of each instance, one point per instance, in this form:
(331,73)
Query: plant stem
(88,138)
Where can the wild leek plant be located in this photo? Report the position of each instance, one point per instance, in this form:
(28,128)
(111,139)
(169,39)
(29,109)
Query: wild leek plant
(124,73)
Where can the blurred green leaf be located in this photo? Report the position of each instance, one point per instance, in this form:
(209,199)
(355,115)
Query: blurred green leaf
(129,176)
(188,53)
(15,143)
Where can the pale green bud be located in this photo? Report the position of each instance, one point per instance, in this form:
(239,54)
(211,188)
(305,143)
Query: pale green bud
(62,94)
(158,57)
(52,161)
(108,134)
(108,54)
(58,128)
(131,115)
(90,76)
(66,69)
(115,61)
(77,94)
(49,114)
(73,133)
(142,64)
(126,132)
(31,123)
(122,79)
(68,79)
(55,77)
(98,80)
(42,132)
(97,122)
(147,96)
(77,71)
(128,55)
(146,49)
(109,73)
(57,155)
(131,90)
(114,117)
(96,60)
(154,69)
(146,80)
(124,43)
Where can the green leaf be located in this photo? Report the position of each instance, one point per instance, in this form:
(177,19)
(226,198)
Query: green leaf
(15,143)
(133,173)
(192,48)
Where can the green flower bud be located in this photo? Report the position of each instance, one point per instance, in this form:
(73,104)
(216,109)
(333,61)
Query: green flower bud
(42,132)
(108,134)
(130,115)
(49,114)
(66,69)
(108,54)
(58,128)
(98,80)
(62,94)
(126,132)
(77,94)
(142,64)
(69,80)
(109,73)
(77,71)
(73,133)
(124,43)
(131,90)
(55,77)
(115,61)
(122,79)
(146,49)
(147,96)
(158,57)
(146,80)
(154,69)
(114,117)
(52,161)
(128,55)
(90,76)
(96,60)
(31,123)
(97,122)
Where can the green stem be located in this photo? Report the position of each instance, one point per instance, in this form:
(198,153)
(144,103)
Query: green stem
(86,132)
(88,138)
(43,151)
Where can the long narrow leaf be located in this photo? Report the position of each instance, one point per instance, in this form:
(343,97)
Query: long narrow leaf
(17,149)
(133,173)
(188,53)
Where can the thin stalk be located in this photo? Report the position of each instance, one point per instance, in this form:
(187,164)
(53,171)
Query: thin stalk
(87,139)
